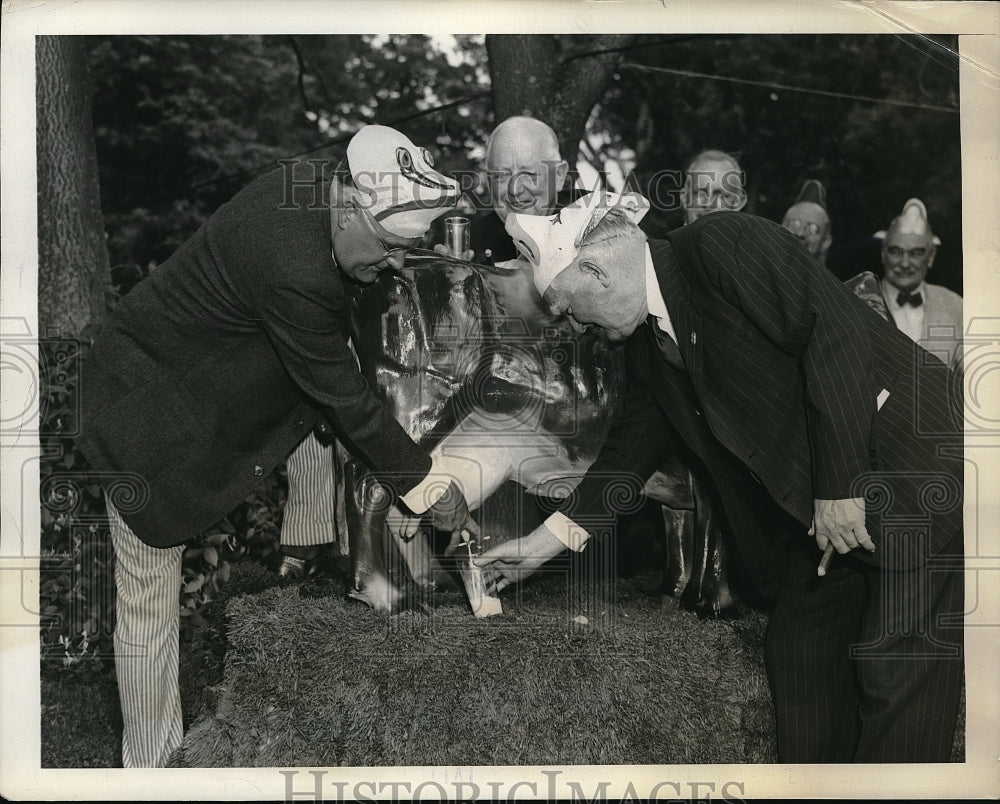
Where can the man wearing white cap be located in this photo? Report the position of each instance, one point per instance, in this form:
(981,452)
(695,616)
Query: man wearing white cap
(745,353)
(808,220)
(409,207)
(929,314)
(215,367)
(526,174)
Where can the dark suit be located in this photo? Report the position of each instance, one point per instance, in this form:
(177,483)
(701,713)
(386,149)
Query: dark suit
(782,369)
(490,240)
(217,365)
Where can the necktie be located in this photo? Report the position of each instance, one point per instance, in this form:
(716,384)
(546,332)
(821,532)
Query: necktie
(913,299)
(667,346)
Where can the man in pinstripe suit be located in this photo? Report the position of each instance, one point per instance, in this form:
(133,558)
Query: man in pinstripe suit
(821,426)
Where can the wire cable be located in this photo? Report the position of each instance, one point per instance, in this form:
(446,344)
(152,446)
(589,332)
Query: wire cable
(788,88)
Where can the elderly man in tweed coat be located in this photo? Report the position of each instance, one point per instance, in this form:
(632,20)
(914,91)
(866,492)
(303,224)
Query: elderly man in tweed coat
(215,367)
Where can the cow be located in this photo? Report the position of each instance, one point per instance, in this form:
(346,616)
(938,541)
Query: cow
(465,352)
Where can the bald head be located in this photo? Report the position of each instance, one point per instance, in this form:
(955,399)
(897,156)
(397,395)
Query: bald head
(526,171)
(810,223)
(524,133)
(714,182)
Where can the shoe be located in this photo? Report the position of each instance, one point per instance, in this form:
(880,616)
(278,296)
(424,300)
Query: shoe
(291,568)
(327,566)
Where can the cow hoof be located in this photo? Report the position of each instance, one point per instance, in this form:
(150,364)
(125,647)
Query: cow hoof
(378,593)
(435,581)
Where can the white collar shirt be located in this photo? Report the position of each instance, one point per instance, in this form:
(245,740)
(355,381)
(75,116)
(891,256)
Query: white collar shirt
(909,319)
(655,304)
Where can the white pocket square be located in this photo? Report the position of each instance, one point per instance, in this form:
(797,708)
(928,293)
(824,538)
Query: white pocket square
(880,399)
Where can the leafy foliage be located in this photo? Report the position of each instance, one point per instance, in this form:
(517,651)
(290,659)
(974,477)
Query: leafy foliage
(172,114)
(871,157)
(76,608)
(183,122)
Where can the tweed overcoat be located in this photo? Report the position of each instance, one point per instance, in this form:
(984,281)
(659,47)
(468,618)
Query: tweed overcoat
(214,367)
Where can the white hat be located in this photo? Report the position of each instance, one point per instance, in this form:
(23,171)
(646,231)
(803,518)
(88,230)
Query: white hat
(551,242)
(399,187)
(912,220)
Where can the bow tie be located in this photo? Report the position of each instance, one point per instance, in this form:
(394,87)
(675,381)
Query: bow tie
(913,299)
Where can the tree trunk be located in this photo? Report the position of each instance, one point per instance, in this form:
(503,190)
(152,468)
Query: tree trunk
(531,77)
(72,253)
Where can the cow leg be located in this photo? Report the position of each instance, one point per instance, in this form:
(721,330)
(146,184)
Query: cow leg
(368,505)
(696,569)
(678,527)
(419,560)
(472,458)
(711,594)
(671,487)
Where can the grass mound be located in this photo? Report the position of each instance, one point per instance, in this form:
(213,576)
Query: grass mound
(320,681)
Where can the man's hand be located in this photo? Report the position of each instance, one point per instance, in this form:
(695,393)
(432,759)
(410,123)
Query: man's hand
(442,249)
(515,560)
(842,524)
(402,526)
(451,511)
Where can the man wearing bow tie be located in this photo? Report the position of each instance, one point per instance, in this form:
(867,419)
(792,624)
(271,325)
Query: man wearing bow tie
(821,426)
(929,314)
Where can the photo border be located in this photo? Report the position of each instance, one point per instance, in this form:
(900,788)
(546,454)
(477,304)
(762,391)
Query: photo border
(978,23)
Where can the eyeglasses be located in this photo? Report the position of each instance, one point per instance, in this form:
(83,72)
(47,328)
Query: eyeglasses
(796,226)
(913,253)
(391,252)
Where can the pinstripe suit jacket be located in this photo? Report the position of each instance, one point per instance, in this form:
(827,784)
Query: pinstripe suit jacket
(784,367)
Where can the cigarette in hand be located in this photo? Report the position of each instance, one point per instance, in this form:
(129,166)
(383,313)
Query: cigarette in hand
(825,561)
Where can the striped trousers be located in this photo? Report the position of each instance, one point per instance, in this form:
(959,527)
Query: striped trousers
(310,511)
(147,632)
(866,665)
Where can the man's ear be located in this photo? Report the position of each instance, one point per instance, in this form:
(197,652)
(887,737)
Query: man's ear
(348,212)
(594,270)
(931,255)
(562,170)
(742,202)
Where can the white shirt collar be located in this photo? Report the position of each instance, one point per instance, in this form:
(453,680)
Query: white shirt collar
(655,305)
(654,298)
